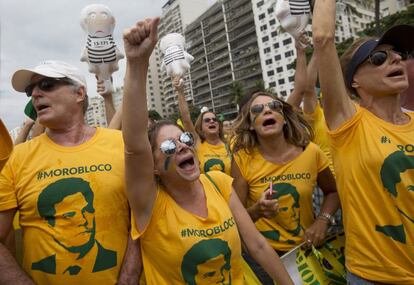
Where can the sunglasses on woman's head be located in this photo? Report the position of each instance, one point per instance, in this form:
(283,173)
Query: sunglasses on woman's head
(274,105)
(47,84)
(170,146)
(208,120)
(378,57)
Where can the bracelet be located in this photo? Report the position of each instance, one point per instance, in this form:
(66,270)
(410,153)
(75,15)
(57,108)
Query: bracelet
(327,217)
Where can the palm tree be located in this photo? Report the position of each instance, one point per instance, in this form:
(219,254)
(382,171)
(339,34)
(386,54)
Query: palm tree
(377,17)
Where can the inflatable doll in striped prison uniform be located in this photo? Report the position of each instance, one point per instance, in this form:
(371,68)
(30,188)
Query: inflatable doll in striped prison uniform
(293,15)
(100,51)
(176,60)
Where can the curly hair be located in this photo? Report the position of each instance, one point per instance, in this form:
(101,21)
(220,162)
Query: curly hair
(296,130)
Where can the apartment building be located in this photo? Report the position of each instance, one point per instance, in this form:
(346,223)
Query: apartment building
(95,115)
(223,43)
(176,15)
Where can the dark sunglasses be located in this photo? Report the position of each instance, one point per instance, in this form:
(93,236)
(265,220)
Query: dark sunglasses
(274,105)
(170,146)
(47,84)
(378,57)
(208,120)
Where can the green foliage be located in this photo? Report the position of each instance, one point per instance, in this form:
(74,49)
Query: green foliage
(194,113)
(153,115)
(403,17)
(236,91)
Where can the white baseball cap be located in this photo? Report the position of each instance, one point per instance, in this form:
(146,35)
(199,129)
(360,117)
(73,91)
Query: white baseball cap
(50,68)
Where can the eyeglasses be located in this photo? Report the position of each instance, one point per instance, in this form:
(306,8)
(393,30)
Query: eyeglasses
(274,105)
(47,84)
(378,57)
(208,120)
(170,146)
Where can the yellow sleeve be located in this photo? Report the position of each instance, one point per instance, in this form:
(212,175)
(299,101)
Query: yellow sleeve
(8,199)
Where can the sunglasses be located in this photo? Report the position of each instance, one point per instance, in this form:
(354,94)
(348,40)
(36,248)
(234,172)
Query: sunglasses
(208,120)
(47,84)
(378,57)
(170,146)
(274,105)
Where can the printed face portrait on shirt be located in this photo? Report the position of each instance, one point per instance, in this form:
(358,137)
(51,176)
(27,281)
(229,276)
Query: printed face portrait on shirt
(397,176)
(207,262)
(289,211)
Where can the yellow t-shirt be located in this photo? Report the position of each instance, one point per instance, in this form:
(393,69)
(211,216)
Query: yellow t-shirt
(214,157)
(179,247)
(374,163)
(293,184)
(322,138)
(73,209)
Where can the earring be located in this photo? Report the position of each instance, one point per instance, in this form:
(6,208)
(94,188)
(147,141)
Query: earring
(285,123)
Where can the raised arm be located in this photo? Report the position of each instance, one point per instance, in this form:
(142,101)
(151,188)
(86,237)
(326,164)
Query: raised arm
(295,98)
(139,42)
(108,99)
(178,84)
(310,98)
(116,121)
(338,107)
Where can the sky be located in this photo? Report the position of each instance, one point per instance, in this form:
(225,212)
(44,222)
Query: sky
(35,30)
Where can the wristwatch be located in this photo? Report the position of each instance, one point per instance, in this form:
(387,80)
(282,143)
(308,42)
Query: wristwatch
(328,217)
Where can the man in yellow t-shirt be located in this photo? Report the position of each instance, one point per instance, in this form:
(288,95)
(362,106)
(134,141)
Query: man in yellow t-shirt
(68,185)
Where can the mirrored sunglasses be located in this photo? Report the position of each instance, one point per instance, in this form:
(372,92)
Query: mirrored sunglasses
(378,57)
(274,105)
(47,84)
(208,120)
(170,146)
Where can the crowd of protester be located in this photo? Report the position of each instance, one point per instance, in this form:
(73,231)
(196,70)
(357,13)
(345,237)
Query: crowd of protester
(153,202)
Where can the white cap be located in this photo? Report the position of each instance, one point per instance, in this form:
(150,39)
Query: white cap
(50,68)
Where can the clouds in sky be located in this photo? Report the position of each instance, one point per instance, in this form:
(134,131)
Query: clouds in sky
(37,30)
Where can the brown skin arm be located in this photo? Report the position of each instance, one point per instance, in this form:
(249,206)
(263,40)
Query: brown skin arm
(183,106)
(338,107)
(257,245)
(316,233)
(10,271)
(132,265)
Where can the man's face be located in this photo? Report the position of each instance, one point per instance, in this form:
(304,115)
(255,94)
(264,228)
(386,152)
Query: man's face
(213,272)
(288,216)
(74,225)
(56,106)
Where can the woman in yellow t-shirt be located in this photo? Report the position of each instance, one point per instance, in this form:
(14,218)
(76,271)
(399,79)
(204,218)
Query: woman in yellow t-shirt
(212,149)
(275,170)
(372,147)
(188,224)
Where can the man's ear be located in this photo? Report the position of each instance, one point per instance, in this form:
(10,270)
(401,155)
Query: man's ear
(81,94)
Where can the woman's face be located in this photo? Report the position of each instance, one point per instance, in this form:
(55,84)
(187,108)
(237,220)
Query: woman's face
(210,124)
(266,116)
(180,161)
(382,74)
